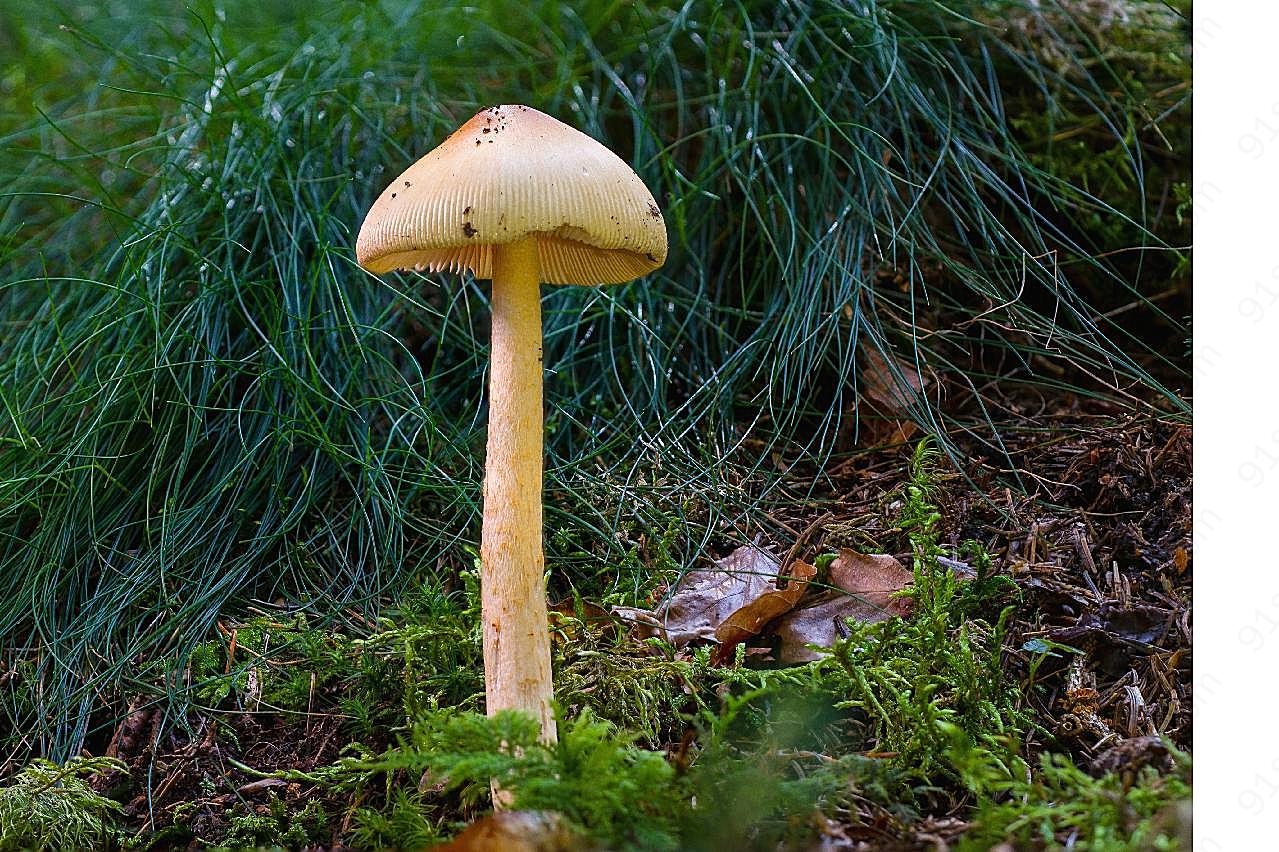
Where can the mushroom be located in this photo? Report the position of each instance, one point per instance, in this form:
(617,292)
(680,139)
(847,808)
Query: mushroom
(520,198)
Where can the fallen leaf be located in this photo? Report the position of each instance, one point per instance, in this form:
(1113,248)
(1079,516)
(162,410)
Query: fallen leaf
(739,598)
(704,600)
(1136,625)
(866,584)
(822,624)
(129,738)
(890,386)
(519,831)
(644,623)
(874,578)
(751,618)
(728,604)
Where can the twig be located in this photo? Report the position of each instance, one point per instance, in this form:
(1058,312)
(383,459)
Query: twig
(801,540)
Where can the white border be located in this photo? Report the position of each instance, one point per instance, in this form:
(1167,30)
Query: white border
(1236,329)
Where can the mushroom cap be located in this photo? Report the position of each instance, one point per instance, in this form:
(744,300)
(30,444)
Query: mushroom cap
(512,172)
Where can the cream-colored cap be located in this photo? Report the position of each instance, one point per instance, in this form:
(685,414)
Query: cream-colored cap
(512,172)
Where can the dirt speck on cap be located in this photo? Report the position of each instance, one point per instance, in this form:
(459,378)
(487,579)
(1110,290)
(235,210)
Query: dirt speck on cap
(654,212)
(468,230)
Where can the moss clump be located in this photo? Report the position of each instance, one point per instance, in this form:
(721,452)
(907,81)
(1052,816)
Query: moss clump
(432,658)
(1059,803)
(406,821)
(640,687)
(47,806)
(913,679)
(275,825)
(595,776)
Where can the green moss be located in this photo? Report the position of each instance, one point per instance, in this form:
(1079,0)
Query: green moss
(1059,803)
(404,822)
(432,658)
(623,795)
(47,806)
(639,686)
(275,825)
(911,679)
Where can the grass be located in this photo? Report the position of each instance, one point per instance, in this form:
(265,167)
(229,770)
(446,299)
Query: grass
(206,406)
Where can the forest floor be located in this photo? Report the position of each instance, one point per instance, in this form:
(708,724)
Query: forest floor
(1095,643)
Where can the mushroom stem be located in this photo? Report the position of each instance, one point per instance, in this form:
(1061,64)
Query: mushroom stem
(517,650)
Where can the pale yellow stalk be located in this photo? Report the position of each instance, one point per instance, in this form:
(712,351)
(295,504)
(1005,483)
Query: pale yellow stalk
(517,651)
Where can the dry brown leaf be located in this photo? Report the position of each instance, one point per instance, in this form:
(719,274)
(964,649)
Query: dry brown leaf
(889,387)
(643,623)
(706,599)
(867,584)
(821,624)
(751,618)
(519,831)
(739,598)
(874,578)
